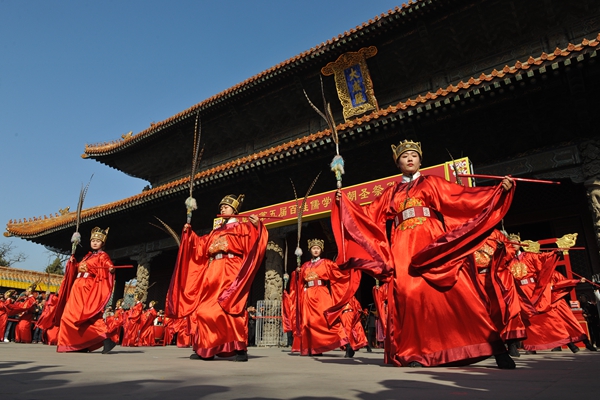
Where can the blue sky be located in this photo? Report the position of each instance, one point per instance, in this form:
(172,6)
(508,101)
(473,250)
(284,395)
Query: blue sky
(82,72)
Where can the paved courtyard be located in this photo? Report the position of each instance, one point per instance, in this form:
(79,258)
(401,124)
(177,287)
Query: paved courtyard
(36,371)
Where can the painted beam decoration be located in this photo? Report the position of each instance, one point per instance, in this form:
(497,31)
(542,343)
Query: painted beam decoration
(353,82)
(319,205)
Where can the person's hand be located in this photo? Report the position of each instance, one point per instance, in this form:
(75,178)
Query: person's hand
(186,227)
(507,183)
(298,269)
(82,267)
(254,219)
(111,270)
(338,194)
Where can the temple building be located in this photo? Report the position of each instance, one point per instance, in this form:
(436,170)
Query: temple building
(512,85)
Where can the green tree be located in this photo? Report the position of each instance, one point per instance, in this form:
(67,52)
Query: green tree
(8,256)
(56,266)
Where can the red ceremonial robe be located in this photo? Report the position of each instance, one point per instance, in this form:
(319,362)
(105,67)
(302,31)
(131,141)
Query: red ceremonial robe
(533,276)
(497,285)
(182,327)
(125,325)
(435,314)
(131,335)
(212,279)
(313,291)
(380,295)
(169,331)
(3,318)
(81,324)
(352,324)
(46,321)
(147,328)
(561,287)
(114,324)
(25,310)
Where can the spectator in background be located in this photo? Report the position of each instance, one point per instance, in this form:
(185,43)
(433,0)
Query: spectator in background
(37,331)
(590,313)
(251,326)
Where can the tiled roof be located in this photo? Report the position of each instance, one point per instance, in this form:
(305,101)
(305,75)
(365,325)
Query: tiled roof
(404,11)
(521,70)
(21,279)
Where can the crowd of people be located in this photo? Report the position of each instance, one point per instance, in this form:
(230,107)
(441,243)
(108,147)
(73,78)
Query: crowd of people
(452,288)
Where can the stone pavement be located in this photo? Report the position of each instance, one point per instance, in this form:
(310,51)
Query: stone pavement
(36,371)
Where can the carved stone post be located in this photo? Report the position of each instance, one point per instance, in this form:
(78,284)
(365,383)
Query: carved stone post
(274,269)
(590,153)
(143,272)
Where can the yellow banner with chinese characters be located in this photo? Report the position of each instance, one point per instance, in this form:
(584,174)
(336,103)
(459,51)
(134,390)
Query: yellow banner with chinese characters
(319,205)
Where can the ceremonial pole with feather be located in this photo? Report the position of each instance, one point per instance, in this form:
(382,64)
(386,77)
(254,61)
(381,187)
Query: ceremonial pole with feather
(167,229)
(298,252)
(300,211)
(456,172)
(286,276)
(76,238)
(190,203)
(337,164)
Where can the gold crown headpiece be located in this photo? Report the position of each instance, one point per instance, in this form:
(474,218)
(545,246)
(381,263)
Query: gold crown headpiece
(316,242)
(98,233)
(233,202)
(405,146)
(514,237)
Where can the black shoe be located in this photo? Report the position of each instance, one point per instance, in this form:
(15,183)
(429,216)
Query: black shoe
(504,361)
(369,350)
(195,356)
(415,364)
(316,355)
(530,352)
(513,351)
(572,347)
(349,352)
(557,349)
(589,346)
(241,355)
(108,346)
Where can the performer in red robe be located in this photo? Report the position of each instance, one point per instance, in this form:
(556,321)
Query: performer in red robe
(533,276)
(212,279)
(10,298)
(131,334)
(352,324)
(561,287)
(147,326)
(435,315)
(5,300)
(380,296)
(182,327)
(313,290)
(84,293)
(24,308)
(115,323)
(169,331)
(46,321)
(497,287)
